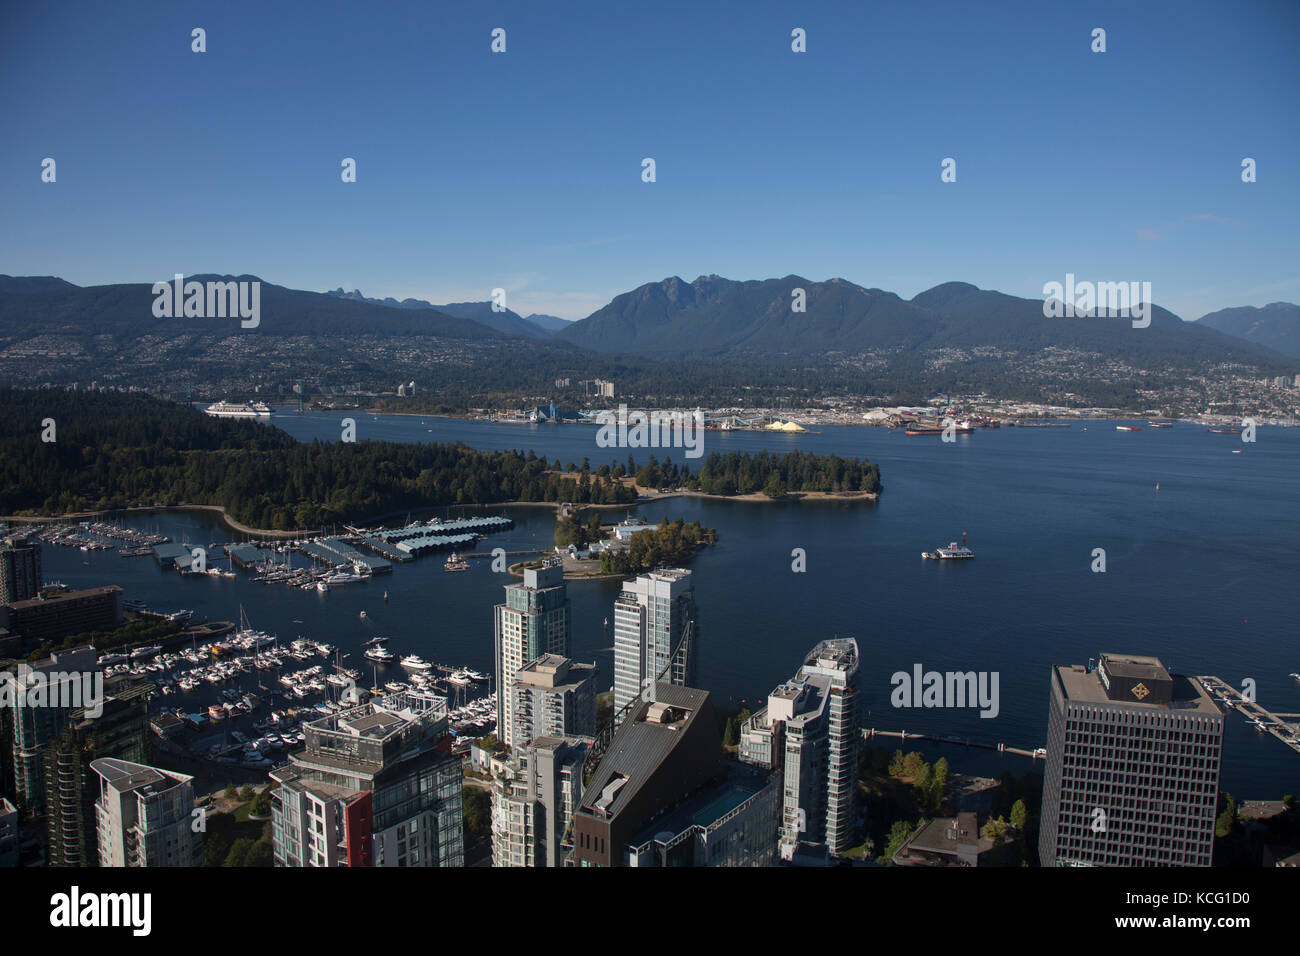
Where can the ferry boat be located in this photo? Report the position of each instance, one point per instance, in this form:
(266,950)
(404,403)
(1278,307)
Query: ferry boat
(239,410)
(456,563)
(1128,428)
(954,551)
(415,663)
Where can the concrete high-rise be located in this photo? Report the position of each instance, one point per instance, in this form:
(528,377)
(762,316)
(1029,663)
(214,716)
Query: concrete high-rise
(553,697)
(534,620)
(810,731)
(533,805)
(376,785)
(144,816)
(655,634)
(1133,758)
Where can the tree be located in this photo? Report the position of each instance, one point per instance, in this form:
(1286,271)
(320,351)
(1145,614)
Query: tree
(1019,814)
(898,834)
(476,806)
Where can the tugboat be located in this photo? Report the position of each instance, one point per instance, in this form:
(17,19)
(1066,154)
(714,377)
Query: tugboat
(456,563)
(954,551)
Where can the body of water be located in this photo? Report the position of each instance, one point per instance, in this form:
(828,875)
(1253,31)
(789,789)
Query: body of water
(1202,571)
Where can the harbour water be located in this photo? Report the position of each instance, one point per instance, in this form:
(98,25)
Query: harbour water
(1202,572)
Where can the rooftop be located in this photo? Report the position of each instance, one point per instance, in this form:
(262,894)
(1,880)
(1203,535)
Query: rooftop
(1083,686)
(640,746)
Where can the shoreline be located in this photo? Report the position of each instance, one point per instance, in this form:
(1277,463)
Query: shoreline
(234,525)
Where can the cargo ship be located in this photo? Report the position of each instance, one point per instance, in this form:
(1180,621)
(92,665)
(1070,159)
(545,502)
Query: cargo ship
(1161,424)
(1224,431)
(954,551)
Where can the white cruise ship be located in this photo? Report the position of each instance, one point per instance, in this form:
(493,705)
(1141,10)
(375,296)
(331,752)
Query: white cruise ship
(239,410)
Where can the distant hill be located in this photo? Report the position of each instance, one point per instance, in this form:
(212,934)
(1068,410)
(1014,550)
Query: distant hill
(552,323)
(1276,325)
(509,322)
(50,306)
(722,317)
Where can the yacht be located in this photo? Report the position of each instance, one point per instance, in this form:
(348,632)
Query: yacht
(380,655)
(415,663)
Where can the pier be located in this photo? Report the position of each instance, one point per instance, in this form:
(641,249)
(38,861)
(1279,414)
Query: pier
(1264,719)
(872,732)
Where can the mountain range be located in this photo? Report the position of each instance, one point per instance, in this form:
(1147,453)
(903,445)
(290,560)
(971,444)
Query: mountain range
(712,339)
(507,320)
(1276,325)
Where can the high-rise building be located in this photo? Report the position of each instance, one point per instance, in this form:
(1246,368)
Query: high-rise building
(31,722)
(20,569)
(533,804)
(377,785)
(810,731)
(1133,757)
(553,697)
(120,730)
(144,816)
(10,840)
(665,794)
(533,621)
(655,634)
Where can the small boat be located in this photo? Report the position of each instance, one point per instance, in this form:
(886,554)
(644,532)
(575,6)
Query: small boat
(363,615)
(1224,431)
(1160,424)
(1128,428)
(954,551)
(456,563)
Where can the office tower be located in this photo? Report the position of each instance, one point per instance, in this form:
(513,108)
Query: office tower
(71,787)
(533,621)
(665,794)
(29,723)
(810,731)
(144,816)
(553,697)
(655,634)
(1133,757)
(533,804)
(20,569)
(376,786)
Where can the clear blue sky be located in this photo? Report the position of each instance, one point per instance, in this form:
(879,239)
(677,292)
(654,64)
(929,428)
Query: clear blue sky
(523,169)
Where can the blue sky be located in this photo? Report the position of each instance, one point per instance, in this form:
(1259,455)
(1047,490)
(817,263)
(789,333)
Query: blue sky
(523,170)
